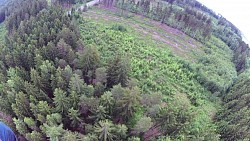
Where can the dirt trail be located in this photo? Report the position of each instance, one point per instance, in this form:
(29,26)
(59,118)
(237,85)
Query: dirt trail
(89,4)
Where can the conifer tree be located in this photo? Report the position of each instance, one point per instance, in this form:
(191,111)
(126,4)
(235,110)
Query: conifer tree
(76,84)
(74,99)
(89,60)
(61,101)
(74,116)
(105,130)
(21,106)
(127,105)
(108,102)
(118,71)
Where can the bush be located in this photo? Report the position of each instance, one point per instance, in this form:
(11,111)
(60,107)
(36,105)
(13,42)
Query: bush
(119,28)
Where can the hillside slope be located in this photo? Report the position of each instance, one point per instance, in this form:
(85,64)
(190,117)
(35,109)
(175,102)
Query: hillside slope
(217,73)
(211,62)
(110,74)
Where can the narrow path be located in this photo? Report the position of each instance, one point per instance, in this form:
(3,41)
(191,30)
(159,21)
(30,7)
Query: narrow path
(89,4)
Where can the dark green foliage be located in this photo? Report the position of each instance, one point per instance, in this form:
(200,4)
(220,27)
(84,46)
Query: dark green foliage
(128,103)
(174,117)
(88,60)
(21,106)
(119,28)
(241,57)
(117,71)
(234,118)
(42,77)
(74,116)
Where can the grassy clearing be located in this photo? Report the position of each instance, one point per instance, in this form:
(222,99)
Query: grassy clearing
(152,63)
(179,43)
(213,60)
(147,57)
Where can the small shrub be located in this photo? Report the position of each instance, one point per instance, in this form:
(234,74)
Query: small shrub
(119,28)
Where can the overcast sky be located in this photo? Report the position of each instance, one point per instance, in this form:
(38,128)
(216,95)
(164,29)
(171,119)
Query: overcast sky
(236,11)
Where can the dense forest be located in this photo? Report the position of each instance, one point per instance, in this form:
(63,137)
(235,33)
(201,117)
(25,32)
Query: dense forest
(71,77)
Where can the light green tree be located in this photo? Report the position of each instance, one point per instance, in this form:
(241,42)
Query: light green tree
(105,130)
(72,136)
(121,132)
(76,84)
(74,99)
(108,102)
(99,113)
(61,101)
(54,132)
(34,136)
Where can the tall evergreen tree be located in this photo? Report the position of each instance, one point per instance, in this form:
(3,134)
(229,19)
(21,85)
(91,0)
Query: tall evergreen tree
(105,130)
(127,105)
(118,71)
(61,101)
